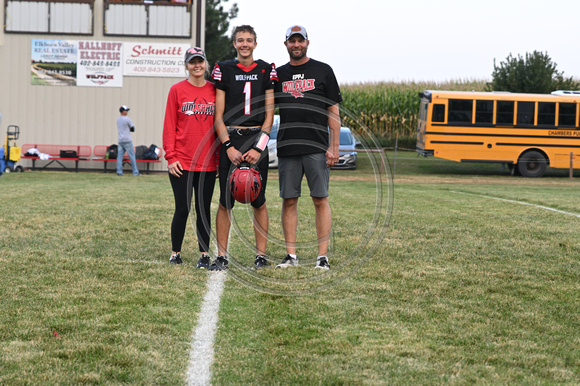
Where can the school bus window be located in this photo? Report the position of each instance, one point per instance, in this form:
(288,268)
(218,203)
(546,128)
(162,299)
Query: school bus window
(460,111)
(567,114)
(505,113)
(484,112)
(438,113)
(546,113)
(526,112)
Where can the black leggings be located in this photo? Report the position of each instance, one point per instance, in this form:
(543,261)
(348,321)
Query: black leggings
(202,184)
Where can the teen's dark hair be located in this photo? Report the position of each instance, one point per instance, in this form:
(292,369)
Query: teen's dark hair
(244,28)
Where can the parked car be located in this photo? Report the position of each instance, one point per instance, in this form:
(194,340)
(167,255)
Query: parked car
(346,147)
(272,151)
(566,92)
(347,144)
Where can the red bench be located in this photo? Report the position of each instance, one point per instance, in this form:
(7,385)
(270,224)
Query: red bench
(100,152)
(83,153)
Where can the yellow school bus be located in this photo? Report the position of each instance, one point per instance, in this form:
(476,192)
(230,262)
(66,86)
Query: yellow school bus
(528,132)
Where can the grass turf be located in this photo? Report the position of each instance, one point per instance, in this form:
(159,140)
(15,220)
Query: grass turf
(463,287)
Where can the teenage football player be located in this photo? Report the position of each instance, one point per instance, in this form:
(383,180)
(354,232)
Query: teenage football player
(243,120)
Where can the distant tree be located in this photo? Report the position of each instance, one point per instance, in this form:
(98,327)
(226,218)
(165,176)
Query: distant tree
(218,41)
(536,73)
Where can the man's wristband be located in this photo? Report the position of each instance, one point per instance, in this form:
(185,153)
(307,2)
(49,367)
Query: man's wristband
(227,144)
(262,141)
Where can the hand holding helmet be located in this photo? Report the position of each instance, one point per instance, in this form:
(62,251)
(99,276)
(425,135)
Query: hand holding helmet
(245,183)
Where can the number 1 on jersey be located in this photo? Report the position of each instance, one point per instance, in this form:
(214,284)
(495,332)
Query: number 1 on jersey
(248,97)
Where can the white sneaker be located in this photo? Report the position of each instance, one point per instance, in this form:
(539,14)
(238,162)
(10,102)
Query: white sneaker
(175,258)
(322,263)
(288,261)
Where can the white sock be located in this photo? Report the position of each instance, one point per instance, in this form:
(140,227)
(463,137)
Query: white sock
(292,256)
(321,257)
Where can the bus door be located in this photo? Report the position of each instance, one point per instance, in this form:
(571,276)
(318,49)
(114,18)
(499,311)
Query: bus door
(421,127)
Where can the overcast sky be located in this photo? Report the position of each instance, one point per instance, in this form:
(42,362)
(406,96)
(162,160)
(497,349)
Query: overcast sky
(417,40)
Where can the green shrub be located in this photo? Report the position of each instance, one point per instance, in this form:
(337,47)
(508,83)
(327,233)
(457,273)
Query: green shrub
(534,73)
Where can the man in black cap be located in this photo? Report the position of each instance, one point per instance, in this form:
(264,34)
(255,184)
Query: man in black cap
(125,127)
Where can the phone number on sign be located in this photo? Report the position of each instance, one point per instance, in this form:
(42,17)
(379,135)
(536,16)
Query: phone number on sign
(163,70)
(55,72)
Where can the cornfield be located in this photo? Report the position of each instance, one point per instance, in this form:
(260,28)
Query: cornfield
(389,108)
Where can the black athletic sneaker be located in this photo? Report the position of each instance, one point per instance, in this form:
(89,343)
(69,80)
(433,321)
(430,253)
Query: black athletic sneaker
(261,261)
(175,259)
(322,263)
(203,262)
(219,264)
(288,261)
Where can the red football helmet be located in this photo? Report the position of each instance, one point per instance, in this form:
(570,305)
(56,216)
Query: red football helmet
(245,183)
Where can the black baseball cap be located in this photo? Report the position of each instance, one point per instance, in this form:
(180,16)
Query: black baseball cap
(123,108)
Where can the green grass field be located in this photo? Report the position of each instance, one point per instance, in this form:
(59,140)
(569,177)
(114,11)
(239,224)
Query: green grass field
(474,280)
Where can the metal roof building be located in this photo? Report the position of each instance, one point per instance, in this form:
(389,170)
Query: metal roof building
(68,65)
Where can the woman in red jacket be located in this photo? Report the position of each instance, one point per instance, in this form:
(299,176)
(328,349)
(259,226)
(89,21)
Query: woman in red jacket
(190,146)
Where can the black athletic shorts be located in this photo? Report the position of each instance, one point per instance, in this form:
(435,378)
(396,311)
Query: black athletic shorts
(243,141)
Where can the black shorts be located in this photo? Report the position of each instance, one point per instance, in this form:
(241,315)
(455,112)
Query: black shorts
(242,142)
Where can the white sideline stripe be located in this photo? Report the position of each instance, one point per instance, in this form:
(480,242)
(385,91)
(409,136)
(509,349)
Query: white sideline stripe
(522,203)
(201,355)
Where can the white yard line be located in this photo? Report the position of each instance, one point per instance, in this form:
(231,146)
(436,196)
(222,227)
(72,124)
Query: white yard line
(522,203)
(201,355)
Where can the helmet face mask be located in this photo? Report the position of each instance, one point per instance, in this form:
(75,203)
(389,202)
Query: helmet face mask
(245,183)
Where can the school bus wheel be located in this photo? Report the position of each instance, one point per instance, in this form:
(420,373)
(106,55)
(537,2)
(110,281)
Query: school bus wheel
(532,164)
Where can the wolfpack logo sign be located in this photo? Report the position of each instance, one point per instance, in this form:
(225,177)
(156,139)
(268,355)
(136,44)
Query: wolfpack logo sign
(298,86)
(201,109)
(100,78)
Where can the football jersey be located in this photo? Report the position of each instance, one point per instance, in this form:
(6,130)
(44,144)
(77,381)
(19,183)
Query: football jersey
(303,95)
(245,88)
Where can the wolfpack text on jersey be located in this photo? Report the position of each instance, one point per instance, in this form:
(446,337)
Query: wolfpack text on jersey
(245,88)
